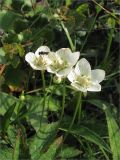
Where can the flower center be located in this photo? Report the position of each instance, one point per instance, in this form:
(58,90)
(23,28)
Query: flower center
(41,61)
(59,64)
(83,81)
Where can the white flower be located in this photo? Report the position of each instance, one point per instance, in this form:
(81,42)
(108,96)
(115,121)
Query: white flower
(39,60)
(62,61)
(84,79)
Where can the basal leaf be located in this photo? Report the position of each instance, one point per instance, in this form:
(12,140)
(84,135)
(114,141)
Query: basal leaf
(114,133)
(16,148)
(5,152)
(51,152)
(68,152)
(6,117)
(42,140)
(6,101)
(7,19)
(81,131)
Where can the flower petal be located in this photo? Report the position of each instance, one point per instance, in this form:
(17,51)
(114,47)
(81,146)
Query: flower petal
(63,51)
(43,49)
(35,67)
(83,67)
(95,87)
(52,56)
(78,87)
(97,75)
(51,69)
(71,76)
(74,58)
(71,58)
(64,72)
(68,56)
(30,57)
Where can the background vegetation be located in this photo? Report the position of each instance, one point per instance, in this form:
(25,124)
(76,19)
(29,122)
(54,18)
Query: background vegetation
(93,27)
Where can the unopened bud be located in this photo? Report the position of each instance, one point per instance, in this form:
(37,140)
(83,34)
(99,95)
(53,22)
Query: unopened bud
(57,80)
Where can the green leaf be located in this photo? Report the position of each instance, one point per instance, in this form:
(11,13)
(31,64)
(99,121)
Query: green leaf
(97,102)
(2,56)
(34,106)
(52,104)
(20,25)
(68,152)
(16,148)
(6,101)
(117,1)
(11,132)
(24,153)
(2,80)
(68,2)
(15,61)
(7,116)
(7,2)
(51,152)
(81,131)
(114,133)
(7,19)
(42,139)
(82,8)
(5,152)
(21,50)
(111,22)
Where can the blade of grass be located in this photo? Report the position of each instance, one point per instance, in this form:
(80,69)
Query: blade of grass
(68,36)
(74,116)
(114,133)
(81,131)
(89,31)
(17,146)
(6,117)
(51,152)
(110,13)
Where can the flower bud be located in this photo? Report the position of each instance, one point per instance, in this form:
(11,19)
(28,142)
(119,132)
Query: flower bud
(22,97)
(57,80)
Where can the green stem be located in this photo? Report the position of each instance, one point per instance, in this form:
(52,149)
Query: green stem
(90,29)
(63,101)
(74,116)
(106,156)
(108,46)
(80,109)
(43,81)
(68,36)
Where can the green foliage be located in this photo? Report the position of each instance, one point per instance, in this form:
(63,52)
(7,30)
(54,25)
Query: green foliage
(16,149)
(2,56)
(91,28)
(114,132)
(68,152)
(42,140)
(6,118)
(89,135)
(5,152)
(6,101)
(7,18)
(50,154)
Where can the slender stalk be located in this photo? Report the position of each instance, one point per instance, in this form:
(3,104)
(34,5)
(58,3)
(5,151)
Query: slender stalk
(106,156)
(108,46)
(80,109)
(43,81)
(74,116)
(90,29)
(68,37)
(107,11)
(63,101)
